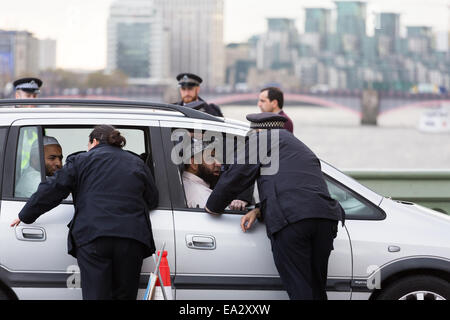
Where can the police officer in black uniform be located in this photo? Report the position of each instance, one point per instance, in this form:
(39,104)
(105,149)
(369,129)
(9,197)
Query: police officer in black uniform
(27,88)
(110,233)
(299,213)
(189,84)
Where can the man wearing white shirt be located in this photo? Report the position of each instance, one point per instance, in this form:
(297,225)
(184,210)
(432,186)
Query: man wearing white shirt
(197,190)
(199,179)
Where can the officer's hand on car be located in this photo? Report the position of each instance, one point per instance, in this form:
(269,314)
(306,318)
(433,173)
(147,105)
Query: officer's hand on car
(248,220)
(238,205)
(15,222)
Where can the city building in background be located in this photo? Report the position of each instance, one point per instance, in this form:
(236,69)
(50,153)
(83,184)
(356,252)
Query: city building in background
(149,42)
(442,41)
(277,47)
(420,40)
(276,53)
(26,53)
(22,54)
(317,28)
(351,25)
(7,71)
(47,54)
(336,52)
(137,43)
(238,62)
(195,28)
(152,41)
(387,33)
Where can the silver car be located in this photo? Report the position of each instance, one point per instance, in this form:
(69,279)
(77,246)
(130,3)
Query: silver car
(386,249)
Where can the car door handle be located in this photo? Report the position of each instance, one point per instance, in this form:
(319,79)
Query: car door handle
(30,233)
(201,242)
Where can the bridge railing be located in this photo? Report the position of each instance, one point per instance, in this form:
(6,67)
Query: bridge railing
(429,188)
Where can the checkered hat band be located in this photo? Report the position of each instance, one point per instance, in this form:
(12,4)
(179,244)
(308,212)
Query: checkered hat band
(267,125)
(28,85)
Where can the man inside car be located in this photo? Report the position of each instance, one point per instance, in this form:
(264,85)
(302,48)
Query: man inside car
(200,179)
(31,176)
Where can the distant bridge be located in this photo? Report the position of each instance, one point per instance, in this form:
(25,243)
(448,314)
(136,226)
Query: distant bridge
(350,104)
(349,101)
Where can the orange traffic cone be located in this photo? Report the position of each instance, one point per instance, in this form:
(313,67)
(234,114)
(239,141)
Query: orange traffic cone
(164,272)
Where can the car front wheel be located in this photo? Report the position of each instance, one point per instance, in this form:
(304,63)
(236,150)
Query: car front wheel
(417,288)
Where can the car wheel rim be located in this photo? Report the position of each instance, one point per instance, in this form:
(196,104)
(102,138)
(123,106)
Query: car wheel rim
(422,295)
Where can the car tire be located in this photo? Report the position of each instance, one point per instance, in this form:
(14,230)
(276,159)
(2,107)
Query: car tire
(421,287)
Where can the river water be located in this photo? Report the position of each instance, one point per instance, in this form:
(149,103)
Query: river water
(337,137)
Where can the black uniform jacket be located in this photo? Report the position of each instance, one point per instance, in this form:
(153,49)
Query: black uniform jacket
(112,190)
(297,191)
(209,108)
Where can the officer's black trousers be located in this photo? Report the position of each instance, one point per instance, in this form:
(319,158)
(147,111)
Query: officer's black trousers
(301,251)
(110,268)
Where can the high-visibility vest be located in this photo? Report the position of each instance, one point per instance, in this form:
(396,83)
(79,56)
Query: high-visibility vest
(30,136)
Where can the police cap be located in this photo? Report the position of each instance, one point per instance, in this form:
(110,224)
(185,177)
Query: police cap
(28,84)
(188,80)
(266,120)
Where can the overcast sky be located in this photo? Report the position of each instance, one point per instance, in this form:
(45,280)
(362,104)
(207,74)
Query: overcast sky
(79,26)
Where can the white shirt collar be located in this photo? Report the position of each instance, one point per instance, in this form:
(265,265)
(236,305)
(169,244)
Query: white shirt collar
(194,178)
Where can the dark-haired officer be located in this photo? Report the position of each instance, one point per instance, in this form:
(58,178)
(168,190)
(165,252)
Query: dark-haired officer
(299,213)
(110,233)
(189,84)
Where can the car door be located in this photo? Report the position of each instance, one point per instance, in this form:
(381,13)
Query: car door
(216,260)
(33,258)
(365,221)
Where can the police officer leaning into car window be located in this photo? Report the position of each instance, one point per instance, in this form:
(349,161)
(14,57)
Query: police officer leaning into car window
(189,84)
(110,233)
(300,215)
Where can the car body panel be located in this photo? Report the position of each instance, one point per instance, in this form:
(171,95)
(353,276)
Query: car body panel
(426,233)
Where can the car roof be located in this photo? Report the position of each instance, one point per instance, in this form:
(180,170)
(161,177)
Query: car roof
(99,108)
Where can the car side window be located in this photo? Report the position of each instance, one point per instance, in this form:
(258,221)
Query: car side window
(199,175)
(71,140)
(76,139)
(355,207)
(28,163)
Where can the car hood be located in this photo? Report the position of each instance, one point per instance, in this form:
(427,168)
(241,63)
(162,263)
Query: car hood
(425,212)
(416,223)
